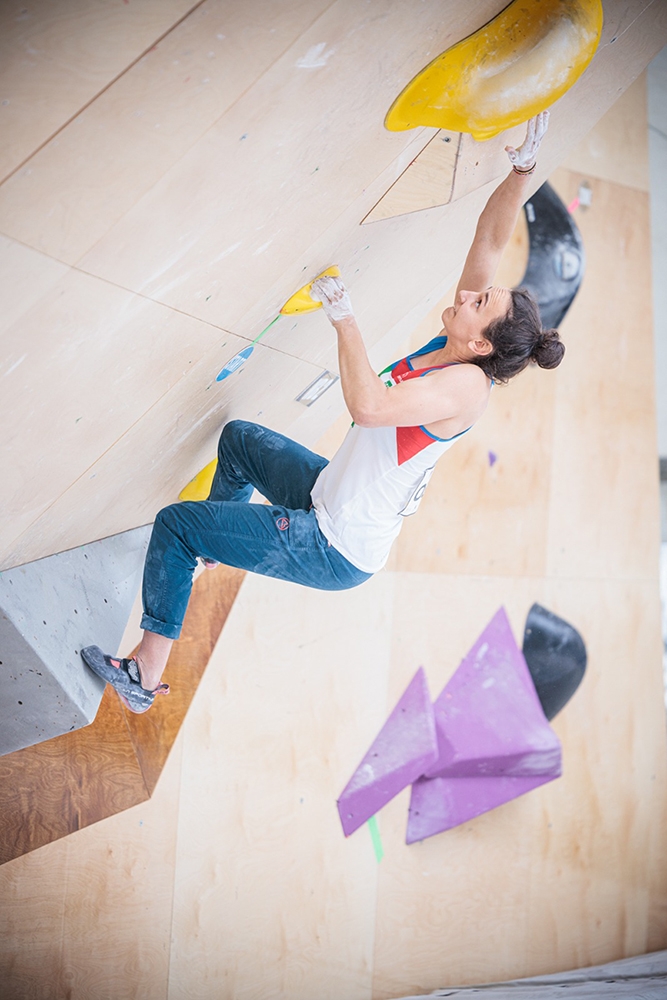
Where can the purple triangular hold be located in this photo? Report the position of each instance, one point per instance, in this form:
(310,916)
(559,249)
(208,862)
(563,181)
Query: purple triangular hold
(404,749)
(438,804)
(489,718)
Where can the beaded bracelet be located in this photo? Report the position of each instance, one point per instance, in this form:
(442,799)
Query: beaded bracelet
(524,173)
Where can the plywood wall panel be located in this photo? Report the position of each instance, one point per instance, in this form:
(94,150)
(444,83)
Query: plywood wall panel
(117,148)
(605,482)
(97,359)
(25,276)
(56,57)
(451,166)
(100,921)
(118,879)
(427,182)
(32,912)
(282,892)
(617,148)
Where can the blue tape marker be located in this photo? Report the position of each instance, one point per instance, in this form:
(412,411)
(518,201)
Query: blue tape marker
(235,363)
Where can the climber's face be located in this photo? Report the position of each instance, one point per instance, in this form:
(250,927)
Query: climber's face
(472,312)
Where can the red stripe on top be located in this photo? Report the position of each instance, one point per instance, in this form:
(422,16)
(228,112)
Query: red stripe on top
(411,440)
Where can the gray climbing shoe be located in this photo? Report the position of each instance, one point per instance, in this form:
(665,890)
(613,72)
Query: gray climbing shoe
(123,675)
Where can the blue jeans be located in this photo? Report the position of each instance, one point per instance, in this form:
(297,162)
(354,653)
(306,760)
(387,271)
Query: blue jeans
(281,539)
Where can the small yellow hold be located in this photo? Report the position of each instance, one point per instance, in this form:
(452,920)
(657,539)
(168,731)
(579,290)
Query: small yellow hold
(509,70)
(200,487)
(301,301)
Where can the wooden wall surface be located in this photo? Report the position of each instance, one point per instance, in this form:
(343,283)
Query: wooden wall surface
(174,171)
(234,880)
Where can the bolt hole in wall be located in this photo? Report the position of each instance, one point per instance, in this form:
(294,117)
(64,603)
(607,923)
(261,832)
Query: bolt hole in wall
(657,123)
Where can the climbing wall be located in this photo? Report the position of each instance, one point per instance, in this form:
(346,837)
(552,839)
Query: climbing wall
(198,163)
(235,879)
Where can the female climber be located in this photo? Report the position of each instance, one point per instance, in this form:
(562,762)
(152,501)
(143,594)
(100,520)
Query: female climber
(331,525)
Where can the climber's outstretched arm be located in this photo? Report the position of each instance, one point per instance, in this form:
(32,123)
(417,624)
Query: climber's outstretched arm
(497,221)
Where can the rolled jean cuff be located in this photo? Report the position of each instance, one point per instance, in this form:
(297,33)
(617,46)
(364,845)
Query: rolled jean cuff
(166,629)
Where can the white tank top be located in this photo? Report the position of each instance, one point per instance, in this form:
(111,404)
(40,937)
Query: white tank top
(376,478)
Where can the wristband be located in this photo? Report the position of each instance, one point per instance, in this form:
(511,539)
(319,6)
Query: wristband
(524,173)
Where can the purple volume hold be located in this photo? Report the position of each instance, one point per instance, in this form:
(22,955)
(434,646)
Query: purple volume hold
(405,747)
(489,718)
(438,804)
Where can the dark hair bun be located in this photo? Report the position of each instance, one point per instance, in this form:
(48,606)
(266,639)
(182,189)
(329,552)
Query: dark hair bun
(549,350)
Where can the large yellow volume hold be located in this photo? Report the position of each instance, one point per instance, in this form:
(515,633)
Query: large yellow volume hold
(515,66)
(301,301)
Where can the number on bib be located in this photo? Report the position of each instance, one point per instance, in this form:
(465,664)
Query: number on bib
(413,502)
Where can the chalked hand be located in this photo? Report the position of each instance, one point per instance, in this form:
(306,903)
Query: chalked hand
(333,295)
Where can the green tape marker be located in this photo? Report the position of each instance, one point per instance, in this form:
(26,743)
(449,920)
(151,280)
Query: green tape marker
(375,837)
(239,359)
(266,329)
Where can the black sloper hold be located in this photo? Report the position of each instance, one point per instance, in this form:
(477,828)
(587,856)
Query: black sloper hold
(556,658)
(556,258)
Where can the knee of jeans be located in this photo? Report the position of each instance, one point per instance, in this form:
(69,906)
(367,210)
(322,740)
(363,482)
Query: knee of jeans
(229,435)
(168,516)
(232,430)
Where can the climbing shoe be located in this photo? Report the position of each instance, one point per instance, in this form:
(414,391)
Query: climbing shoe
(123,675)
